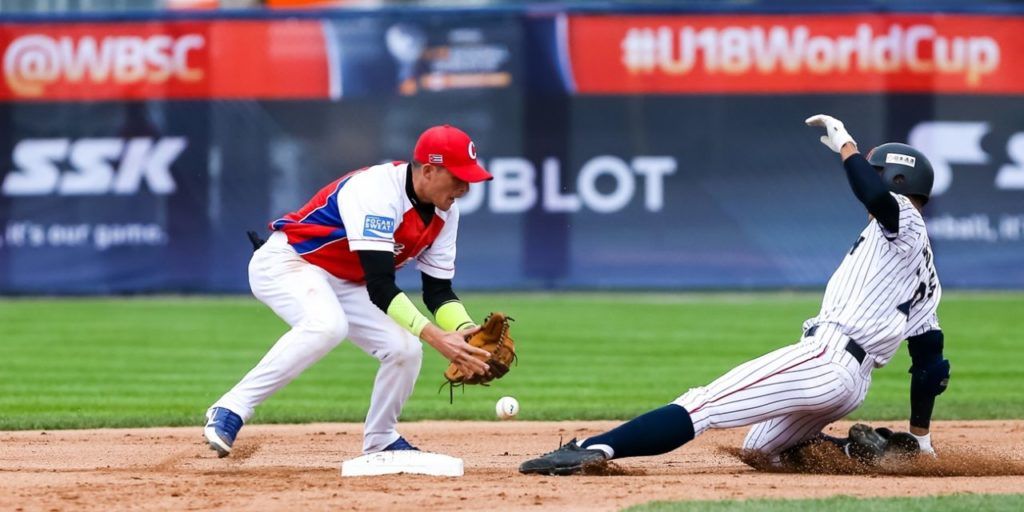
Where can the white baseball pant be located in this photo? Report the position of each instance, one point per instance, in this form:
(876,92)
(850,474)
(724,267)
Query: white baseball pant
(322,310)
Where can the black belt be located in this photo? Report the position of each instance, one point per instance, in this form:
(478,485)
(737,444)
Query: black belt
(852,347)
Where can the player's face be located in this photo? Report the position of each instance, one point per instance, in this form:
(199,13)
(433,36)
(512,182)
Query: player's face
(443,188)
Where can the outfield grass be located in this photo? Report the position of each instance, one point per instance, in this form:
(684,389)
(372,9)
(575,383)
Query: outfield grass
(77,363)
(954,503)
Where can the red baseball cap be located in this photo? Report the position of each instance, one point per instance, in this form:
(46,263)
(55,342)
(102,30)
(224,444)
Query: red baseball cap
(452,149)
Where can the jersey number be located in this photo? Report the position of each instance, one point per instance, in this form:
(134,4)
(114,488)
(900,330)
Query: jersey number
(925,288)
(856,244)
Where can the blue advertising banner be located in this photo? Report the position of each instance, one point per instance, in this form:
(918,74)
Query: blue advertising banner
(104,198)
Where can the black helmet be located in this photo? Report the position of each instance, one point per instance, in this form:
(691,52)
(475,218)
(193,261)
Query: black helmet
(905,170)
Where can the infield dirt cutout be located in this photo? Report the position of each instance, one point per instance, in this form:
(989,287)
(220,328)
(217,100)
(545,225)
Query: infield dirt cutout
(296,467)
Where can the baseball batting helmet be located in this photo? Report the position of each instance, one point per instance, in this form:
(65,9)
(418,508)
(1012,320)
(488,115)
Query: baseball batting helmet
(904,169)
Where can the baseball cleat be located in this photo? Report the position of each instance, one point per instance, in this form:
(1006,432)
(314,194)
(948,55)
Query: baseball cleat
(886,433)
(221,428)
(865,444)
(400,444)
(568,459)
(903,444)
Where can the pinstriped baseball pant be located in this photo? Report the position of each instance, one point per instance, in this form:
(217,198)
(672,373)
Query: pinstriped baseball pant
(788,395)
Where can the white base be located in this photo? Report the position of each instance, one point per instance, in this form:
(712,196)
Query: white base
(402,461)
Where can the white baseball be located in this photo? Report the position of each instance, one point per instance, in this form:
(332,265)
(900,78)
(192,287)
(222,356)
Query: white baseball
(506,408)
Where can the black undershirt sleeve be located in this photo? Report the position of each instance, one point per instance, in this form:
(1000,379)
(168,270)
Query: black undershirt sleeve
(436,292)
(379,268)
(872,192)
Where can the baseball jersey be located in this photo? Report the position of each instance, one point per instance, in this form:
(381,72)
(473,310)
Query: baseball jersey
(369,209)
(886,288)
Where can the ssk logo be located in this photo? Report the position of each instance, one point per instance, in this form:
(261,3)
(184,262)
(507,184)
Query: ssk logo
(86,167)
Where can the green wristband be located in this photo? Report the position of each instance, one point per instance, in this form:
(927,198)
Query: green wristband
(452,316)
(402,311)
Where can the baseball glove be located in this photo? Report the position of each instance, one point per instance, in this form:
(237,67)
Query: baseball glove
(493,337)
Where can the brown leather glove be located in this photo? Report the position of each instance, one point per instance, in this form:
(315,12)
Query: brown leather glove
(493,337)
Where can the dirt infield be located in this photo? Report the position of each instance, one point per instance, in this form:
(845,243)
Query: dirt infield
(296,467)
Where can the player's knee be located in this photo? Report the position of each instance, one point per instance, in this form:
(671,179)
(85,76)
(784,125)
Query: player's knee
(752,444)
(407,354)
(328,330)
(756,442)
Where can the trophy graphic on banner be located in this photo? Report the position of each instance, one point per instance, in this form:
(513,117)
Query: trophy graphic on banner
(406,44)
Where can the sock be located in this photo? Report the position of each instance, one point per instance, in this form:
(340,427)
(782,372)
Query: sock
(653,433)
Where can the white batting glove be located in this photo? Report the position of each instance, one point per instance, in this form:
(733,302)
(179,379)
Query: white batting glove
(925,442)
(835,133)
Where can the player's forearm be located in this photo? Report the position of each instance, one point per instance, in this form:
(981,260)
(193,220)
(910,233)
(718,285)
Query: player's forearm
(379,271)
(440,299)
(404,313)
(872,192)
(452,316)
(437,292)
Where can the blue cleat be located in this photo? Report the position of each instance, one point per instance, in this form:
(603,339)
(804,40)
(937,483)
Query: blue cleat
(221,428)
(399,444)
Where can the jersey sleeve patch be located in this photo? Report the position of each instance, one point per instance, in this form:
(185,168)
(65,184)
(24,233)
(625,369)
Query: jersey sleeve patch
(379,227)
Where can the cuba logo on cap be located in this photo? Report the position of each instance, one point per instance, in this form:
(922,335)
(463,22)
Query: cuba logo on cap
(472,150)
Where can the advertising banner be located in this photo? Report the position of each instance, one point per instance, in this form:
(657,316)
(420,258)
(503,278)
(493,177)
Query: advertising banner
(163,60)
(105,198)
(796,53)
(628,151)
(407,56)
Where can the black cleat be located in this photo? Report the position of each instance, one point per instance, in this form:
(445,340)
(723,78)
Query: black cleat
(865,444)
(886,433)
(903,444)
(568,459)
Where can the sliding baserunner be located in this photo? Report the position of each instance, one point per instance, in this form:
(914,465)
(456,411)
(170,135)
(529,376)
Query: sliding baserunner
(884,291)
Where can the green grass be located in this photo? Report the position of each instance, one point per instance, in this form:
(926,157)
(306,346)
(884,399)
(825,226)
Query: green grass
(79,363)
(953,503)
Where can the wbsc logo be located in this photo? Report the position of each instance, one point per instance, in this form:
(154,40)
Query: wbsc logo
(378,227)
(86,167)
(33,62)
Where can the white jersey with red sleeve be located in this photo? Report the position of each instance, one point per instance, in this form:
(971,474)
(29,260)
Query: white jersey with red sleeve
(369,209)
